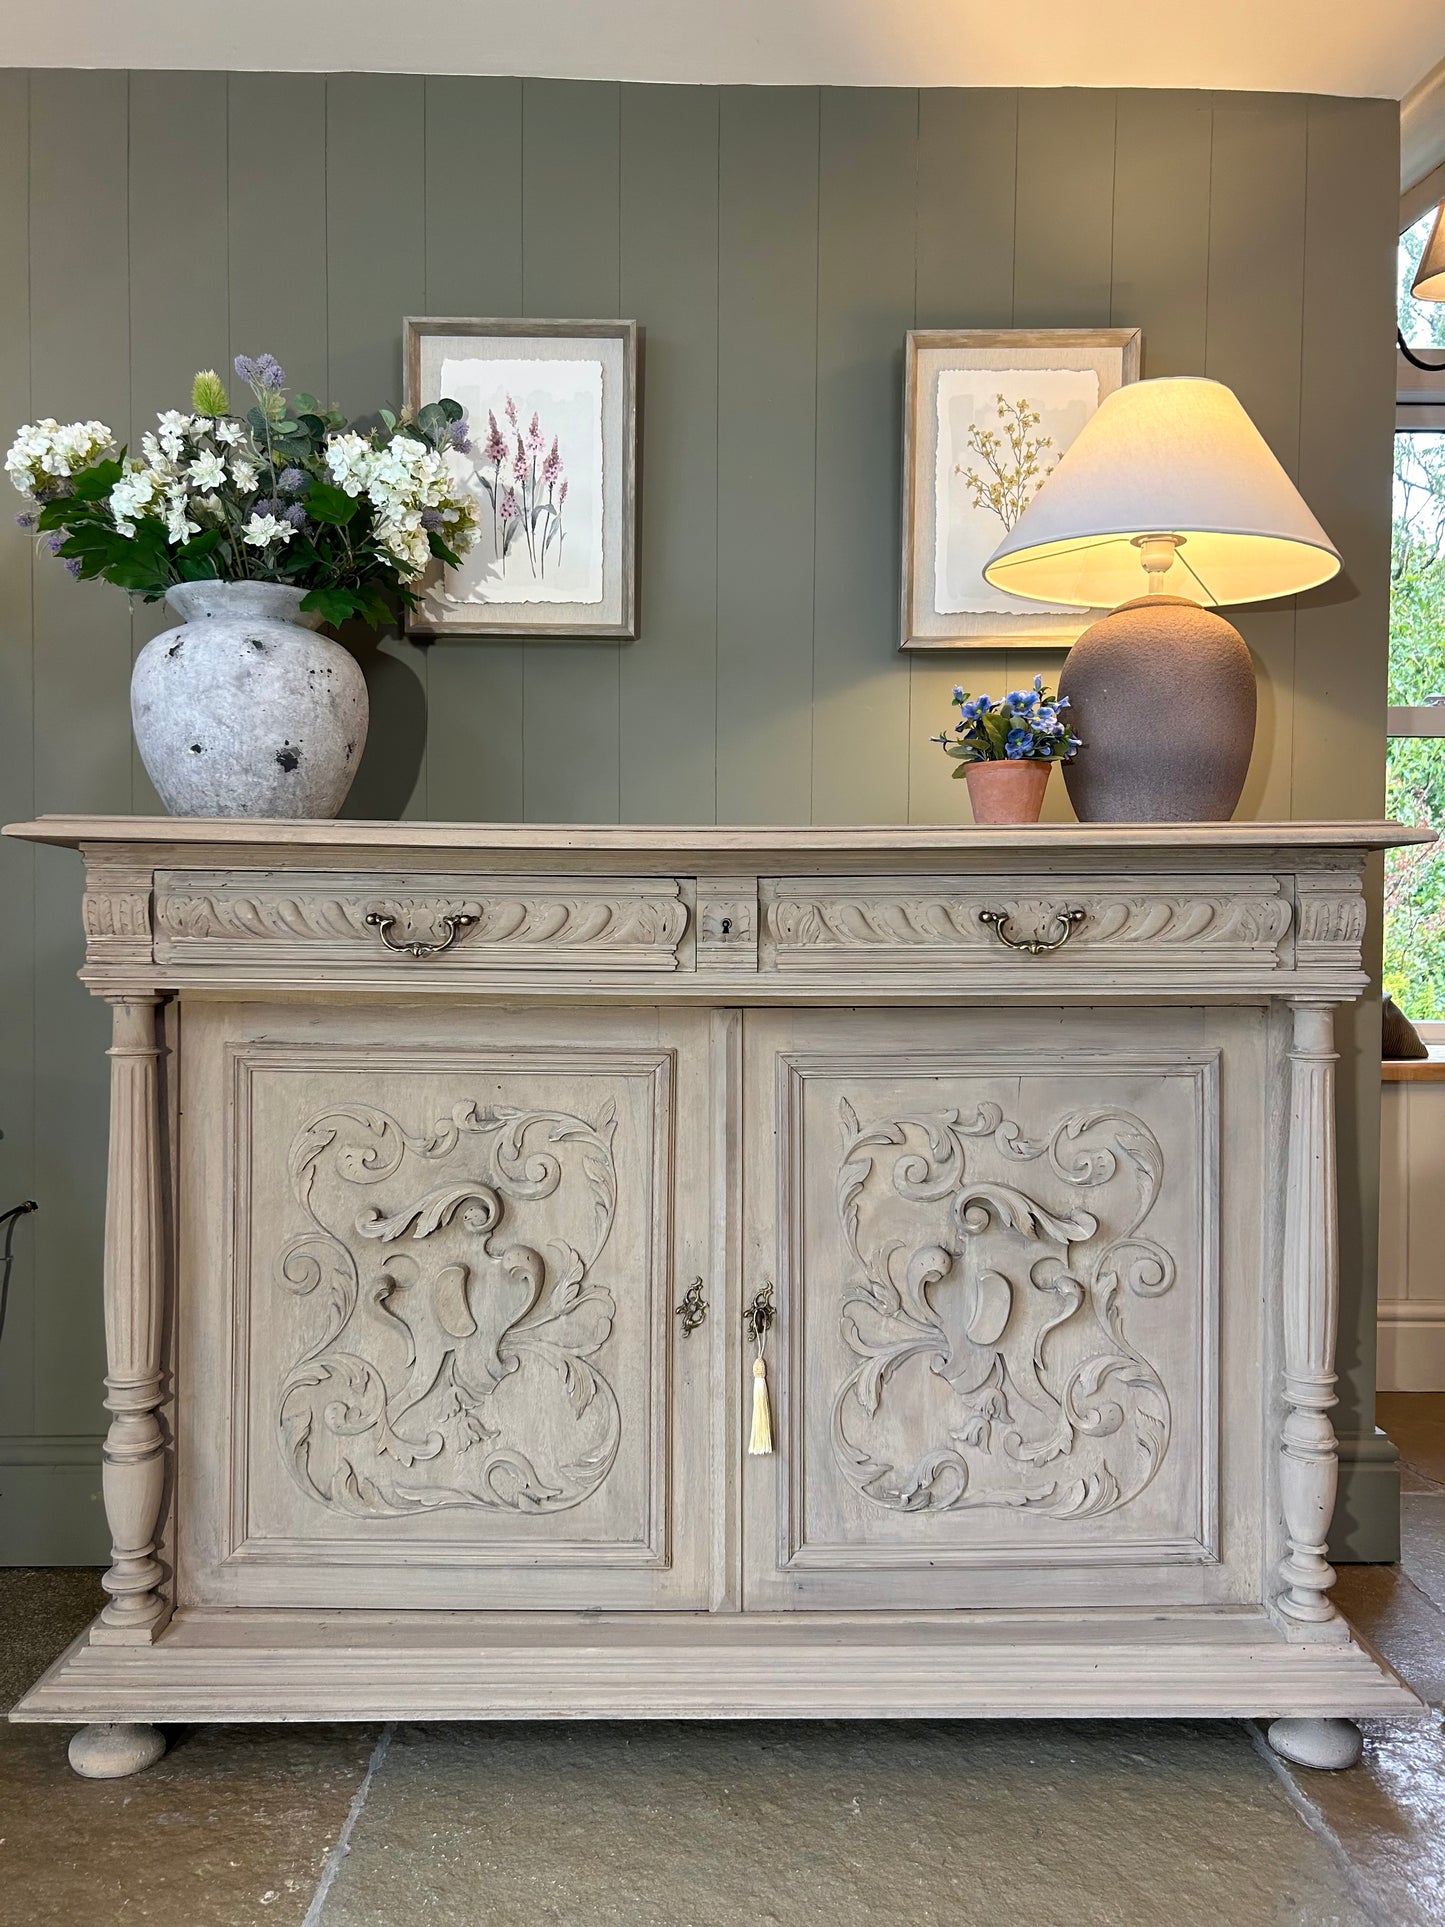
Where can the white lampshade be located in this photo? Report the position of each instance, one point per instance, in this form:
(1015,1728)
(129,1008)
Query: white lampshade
(1175,457)
(1429,282)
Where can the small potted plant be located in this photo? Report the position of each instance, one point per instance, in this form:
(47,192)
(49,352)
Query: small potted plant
(1006,749)
(256,528)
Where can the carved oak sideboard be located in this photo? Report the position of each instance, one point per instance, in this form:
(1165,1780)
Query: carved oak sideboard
(446,1161)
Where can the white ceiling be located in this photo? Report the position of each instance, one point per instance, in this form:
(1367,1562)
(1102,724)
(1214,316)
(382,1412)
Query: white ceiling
(1380,47)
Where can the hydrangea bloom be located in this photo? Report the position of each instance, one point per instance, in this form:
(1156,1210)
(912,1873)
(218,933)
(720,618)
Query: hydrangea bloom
(44,455)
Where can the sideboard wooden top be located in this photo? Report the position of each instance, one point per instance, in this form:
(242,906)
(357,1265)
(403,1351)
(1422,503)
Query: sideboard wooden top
(742,845)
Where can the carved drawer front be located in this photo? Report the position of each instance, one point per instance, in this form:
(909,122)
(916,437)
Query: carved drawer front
(285,918)
(451,1268)
(1201,924)
(995,1248)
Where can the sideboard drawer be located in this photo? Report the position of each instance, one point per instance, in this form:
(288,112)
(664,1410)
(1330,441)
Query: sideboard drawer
(463,923)
(1032,923)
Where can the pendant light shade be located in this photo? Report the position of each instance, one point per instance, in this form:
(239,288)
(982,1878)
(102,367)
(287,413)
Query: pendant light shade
(1429,282)
(1177,457)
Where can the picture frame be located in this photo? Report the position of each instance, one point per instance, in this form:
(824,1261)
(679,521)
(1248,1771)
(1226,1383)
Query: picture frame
(1050,380)
(556,555)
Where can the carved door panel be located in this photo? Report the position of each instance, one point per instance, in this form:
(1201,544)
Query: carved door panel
(430,1356)
(995,1243)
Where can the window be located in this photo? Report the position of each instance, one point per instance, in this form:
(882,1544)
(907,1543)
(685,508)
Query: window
(1415,767)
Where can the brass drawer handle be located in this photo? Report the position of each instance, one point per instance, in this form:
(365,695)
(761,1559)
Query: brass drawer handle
(1069,920)
(693,1308)
(453,925)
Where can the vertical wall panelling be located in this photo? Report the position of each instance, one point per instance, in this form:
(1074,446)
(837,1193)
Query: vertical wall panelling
(1254,320)
(775,245)
(276,206)
(80,367)
(1346,391)
(766,428)
(17,771)
(375,256)
(869,152)
(179,319)
(474,267)
(1063,264)
(967,190)
(1160,267)
(571,164)
(670,277)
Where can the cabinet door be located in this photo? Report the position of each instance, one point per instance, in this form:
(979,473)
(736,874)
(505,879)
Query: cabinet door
(995,1242)
(430,1261)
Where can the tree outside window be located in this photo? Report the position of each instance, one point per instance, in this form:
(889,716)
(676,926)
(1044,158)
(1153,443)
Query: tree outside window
(1415,767)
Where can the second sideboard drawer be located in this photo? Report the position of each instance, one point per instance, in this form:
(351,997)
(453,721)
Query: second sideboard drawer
(1119,922)
(465,923)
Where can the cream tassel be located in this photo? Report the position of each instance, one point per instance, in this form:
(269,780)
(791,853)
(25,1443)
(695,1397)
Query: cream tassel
(762,1435)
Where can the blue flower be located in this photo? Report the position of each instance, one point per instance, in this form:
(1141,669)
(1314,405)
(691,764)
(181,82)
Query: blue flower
(1038,685)
(958,693)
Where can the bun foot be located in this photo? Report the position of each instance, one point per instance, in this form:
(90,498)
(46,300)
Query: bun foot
(113,1752)
(1328,1745)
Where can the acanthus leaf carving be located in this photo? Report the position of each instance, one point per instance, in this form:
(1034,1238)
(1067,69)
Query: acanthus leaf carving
(1008,1303)
(454,1365)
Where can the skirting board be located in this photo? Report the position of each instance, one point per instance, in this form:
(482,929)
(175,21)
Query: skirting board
(1365,1529)
(242,1666)
(50,1502)
(1411,1351)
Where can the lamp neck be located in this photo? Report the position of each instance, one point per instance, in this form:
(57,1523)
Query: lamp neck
(1156,552)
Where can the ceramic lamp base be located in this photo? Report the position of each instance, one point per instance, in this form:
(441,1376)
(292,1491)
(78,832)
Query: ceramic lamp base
(1162,695)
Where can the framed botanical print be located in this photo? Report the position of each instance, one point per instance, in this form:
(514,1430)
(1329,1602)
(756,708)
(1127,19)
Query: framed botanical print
(986,415)
(551,409)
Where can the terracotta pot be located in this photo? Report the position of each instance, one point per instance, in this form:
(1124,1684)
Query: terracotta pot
(1007,792)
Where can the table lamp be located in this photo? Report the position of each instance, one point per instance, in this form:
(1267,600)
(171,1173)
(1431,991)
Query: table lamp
(1171,488)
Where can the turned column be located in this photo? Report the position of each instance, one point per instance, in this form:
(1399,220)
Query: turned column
(1308,1463)
(133,1472)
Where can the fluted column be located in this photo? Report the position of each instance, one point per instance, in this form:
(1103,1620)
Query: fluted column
(133,1473)
(1308,1465)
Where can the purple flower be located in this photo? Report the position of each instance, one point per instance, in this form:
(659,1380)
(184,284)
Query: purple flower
(459,438)
(534,437)
(26,521)
(262,372)
(509,510)
(562,492)
(495,448)
(72,564)
(511,411)
(267,505)
(519,461)
(55,543)
(292,481)
(431,518)
(295,515)
(552,467)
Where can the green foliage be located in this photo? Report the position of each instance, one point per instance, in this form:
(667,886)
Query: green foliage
(1415,770)
(253,498)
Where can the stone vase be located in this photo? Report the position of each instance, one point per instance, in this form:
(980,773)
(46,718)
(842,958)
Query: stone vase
(244,710)
(1006,792)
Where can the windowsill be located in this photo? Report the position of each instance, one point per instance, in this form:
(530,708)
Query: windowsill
(1416,1070)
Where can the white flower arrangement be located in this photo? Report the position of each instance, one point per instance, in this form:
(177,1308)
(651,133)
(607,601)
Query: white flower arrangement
(352,515)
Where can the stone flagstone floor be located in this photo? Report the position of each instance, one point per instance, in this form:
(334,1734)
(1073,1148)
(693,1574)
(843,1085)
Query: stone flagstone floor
(928,1825)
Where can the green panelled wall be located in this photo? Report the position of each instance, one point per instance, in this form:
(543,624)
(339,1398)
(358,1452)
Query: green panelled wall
(775,244)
